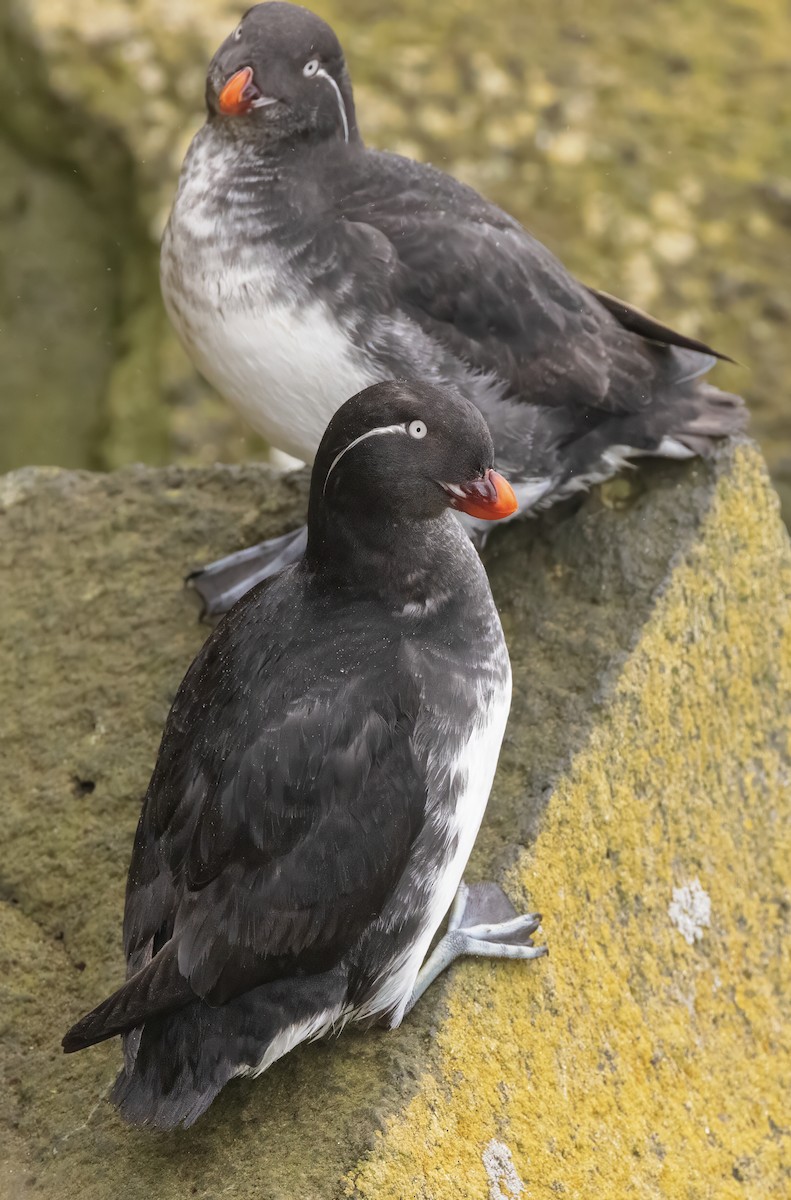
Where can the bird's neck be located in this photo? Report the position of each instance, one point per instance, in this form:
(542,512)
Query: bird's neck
(401,563)
(273,159)
(256,188)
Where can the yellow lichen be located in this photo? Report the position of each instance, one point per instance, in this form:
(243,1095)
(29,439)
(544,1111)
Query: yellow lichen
(631,1063)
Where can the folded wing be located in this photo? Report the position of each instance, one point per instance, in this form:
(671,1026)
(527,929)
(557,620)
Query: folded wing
(264,853)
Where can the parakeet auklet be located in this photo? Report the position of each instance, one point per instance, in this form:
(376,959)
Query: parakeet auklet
(299,267)
(323,774)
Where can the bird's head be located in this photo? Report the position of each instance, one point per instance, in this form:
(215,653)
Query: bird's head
(407,451)
(281,77)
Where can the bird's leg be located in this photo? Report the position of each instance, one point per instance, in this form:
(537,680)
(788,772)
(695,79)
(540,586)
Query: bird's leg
(483,923)
(225,581)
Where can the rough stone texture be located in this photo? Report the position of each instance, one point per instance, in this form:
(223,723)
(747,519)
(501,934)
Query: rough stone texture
(648,748)
(68,327)
(647,144)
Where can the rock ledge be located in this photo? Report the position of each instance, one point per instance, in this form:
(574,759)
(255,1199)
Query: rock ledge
(642,802)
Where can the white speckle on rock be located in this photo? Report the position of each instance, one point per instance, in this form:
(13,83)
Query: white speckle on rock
(501,1172)
(690,911)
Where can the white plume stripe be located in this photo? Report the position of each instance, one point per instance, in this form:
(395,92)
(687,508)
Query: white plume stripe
(356,442)
(341,105)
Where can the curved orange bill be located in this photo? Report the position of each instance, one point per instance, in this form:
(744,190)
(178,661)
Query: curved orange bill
(489,499)
(237,95)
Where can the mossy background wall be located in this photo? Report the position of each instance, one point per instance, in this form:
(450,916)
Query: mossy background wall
(649,145)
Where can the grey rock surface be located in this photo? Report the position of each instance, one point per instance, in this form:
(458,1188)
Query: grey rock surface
(96,631)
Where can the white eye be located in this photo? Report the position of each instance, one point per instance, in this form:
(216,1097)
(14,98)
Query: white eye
(416,429)
(310,67)
(237,33)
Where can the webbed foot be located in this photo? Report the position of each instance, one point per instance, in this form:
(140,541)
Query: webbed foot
(483,923)
(225,581)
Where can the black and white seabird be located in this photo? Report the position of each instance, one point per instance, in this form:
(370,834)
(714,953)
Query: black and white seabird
(299,267)
(323,773)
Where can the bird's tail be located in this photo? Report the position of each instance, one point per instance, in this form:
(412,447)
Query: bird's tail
(178,1050)
(703,415)
(687,418)
(177,1061)
(691,410)
(180,1062)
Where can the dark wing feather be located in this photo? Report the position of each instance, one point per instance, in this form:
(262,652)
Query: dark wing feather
(280,814)
(644,325)
(285,881)
(483,287)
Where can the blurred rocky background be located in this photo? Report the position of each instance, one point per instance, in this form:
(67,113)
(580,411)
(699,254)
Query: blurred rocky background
(648,144)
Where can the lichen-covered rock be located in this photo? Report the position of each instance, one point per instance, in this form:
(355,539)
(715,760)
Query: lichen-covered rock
(642,802)
(644,143)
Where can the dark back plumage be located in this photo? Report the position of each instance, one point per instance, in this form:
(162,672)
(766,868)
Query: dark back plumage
(273,875)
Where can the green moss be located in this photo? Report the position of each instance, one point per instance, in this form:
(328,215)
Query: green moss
(80,270)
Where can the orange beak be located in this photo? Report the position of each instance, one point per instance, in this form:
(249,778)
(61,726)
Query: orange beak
(238,94)
(490,498)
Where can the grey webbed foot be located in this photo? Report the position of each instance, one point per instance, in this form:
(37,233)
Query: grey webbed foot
(225,581)
(483,923)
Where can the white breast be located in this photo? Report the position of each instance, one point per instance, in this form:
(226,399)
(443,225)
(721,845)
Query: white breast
(286,370)
(279,356)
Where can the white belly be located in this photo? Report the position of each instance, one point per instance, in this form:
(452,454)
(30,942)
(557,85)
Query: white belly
(287,370)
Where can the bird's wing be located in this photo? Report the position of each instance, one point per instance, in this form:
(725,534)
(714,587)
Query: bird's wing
(480,284)
(269,841)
